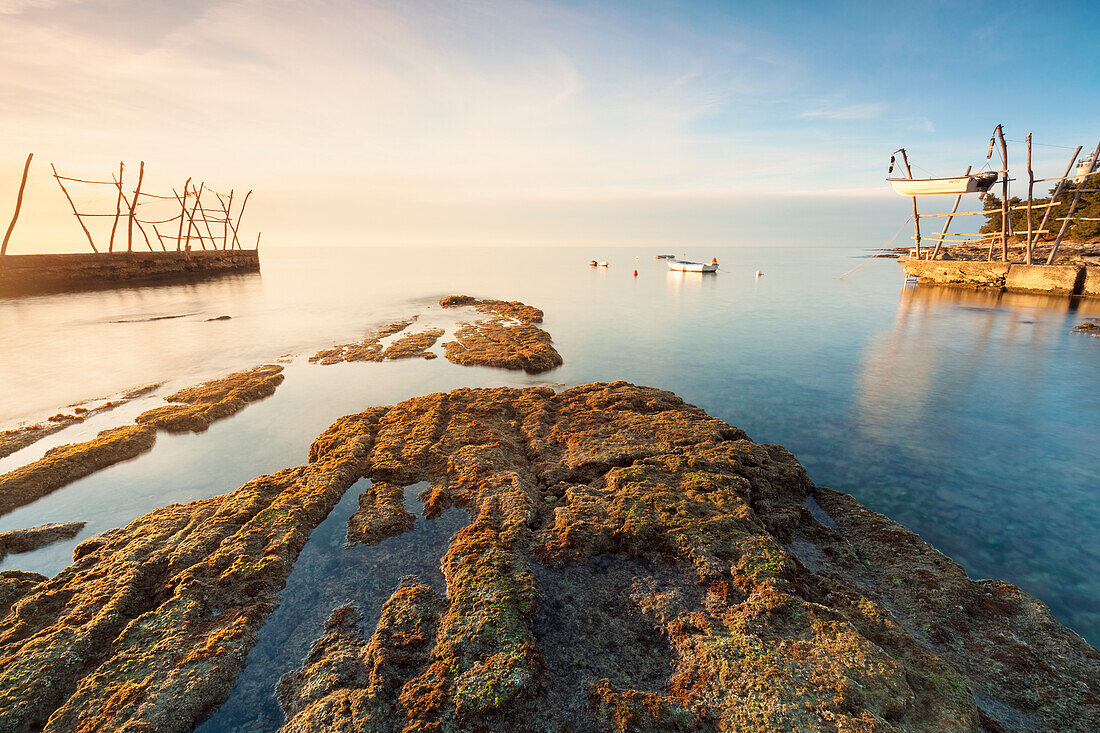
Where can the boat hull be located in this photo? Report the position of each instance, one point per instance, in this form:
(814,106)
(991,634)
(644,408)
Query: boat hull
(942,186)
(683,266)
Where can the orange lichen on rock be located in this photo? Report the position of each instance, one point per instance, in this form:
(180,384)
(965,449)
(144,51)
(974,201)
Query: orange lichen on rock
(28,540)
(512,309)
(67,463)
(197,407)
(381,514)
(414,345)
(753,615)
(369,349)
(149,627)
(19,438)
(508,340)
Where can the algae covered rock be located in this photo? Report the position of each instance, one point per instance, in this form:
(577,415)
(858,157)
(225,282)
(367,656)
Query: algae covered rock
(679,581)
(197,407)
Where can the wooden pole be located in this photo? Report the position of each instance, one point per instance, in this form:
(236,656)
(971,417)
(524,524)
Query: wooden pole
(239,217)
(75,212)
(118,210)
(1072,207)
(1057,191)
(258,241)
(209,231)
(183,213)
(18,205)
(916,216)
(159,238)
(1006,212)
(191,220)
(228,220)
(1030,196)
(138,222)
(225,224)
(133,208)
(947,223)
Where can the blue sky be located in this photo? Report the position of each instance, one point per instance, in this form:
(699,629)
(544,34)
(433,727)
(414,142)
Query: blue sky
(510,122)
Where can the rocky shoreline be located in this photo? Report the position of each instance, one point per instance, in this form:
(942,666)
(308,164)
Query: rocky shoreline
(751,599)
(192,410)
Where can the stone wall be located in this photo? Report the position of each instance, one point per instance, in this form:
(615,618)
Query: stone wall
(25,274)
(1056,279)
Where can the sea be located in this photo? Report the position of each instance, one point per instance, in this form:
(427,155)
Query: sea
(971,417)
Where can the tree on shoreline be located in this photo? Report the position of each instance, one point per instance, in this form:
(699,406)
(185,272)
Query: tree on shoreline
(1088,208)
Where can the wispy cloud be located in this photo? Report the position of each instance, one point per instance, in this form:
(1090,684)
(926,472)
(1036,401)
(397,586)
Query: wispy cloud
(865,111)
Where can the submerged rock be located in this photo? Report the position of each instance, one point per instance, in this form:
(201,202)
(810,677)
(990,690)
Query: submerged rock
(414,345)
(1091,327)
(678,582)
(369,349)
(26,540)
(67,463)
(508,340)
(199,406)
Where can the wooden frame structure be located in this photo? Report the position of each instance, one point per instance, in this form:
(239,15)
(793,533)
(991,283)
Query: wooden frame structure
(1033,235)
(199,218)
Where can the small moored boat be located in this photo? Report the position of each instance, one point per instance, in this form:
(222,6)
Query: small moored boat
(685,266)
(973,183)
(664,257)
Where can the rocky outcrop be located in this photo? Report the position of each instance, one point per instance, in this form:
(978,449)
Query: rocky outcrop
(199,406)
(508,340)
(632,564)
(67,463)
(381,514)
(414,345)
(510,309)
(1091,327)
(369,349)
(149,627)
(27,540)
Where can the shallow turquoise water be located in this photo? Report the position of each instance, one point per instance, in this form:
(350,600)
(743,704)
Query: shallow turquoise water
(972,418)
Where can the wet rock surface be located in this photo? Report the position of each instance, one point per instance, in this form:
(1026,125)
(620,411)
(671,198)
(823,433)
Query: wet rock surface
(67,463)
(369,349)
(27,540)
(508,339)
(197,407)
(1091,327)
(414,345)
(719,601)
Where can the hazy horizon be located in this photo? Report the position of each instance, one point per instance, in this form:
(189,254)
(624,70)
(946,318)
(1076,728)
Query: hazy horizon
(522,123)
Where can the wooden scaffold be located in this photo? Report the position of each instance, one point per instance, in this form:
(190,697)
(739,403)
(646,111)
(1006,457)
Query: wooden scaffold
(980,183)
(212,228)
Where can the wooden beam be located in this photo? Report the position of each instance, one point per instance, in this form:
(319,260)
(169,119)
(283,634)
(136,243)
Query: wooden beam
(1030,196)
(141,229)
(947,223)
(1057,191)
(1006,212)
(1072,208)
(75,212)
(183,213)
(18,205)
(916,216)
(240,216)
(118,209)
(133,208)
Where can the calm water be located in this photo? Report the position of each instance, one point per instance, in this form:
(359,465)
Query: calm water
(972,418)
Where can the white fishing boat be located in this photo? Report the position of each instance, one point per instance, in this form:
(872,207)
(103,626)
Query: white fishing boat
(685,266)
(973,183)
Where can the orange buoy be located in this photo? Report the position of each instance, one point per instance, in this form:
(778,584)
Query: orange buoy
(714,261)
(635,273)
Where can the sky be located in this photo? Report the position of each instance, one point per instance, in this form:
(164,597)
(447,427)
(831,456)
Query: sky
(509,122)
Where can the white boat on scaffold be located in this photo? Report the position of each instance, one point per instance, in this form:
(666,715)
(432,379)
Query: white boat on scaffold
(685,266)
(973,183)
